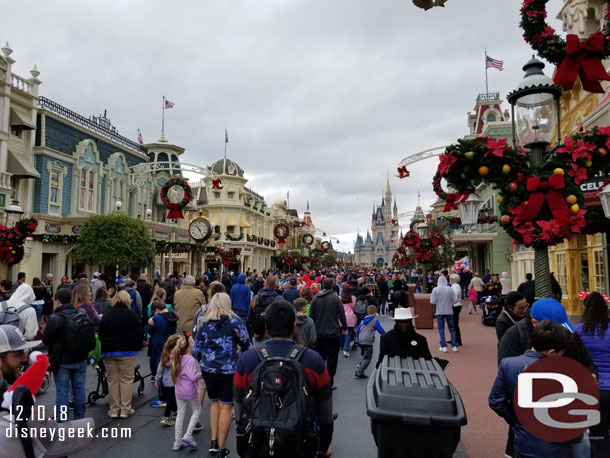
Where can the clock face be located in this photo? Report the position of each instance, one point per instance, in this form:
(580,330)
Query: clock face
(200,229)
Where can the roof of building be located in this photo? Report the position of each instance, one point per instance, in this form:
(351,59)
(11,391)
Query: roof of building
(418,215)
(226,166)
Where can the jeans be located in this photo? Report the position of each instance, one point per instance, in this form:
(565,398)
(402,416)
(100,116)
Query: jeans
(74,373)
(440,320)
(367,355)
(346,339)
(38,308)
(328,347)
(599,435)
(383,300)
(456,324)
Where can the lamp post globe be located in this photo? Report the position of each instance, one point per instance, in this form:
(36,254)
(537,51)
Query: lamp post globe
(469,210)
(604,196)
(422,230)
(118,205)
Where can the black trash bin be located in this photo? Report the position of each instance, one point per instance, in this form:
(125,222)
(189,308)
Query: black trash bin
(415,411)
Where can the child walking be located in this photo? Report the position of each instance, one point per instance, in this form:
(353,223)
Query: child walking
(185,374)
(306,328)
(472,298)
(365,335)
(163,379)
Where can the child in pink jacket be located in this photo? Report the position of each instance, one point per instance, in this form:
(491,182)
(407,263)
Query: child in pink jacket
(349,306)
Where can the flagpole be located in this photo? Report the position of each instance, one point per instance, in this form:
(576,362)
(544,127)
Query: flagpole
(486,81)
(225,143)
(163,118)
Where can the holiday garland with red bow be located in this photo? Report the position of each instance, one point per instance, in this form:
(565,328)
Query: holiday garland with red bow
(175,209)
(414,249)
(539,206)
(12,240)
(572,57)
(230,256)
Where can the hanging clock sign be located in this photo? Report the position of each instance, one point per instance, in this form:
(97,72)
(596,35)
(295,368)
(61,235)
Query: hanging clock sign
(200,229)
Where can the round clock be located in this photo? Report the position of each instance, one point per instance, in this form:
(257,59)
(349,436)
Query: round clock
(200,229)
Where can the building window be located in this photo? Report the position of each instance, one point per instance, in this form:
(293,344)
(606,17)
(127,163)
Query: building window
(118,192)
(599,270)
(230,229)
(561,275)
(86,196)
(216,195)
(55,187)
(231,195)
(584,272)
(491,117)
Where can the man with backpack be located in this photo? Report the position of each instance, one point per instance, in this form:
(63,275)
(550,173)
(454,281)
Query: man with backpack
(301,387)
(70,336)
(261,301)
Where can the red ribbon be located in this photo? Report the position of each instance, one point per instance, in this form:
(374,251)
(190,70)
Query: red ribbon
(453,199)
(403,172)
(545,190)
(216,184)
(174,211)
(584,60)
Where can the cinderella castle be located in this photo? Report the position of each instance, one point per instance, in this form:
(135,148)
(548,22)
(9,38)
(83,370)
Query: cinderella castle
(383,238)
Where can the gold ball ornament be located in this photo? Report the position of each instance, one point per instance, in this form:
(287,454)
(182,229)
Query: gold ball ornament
(575,208)
(500,199)
(558,171)
(571,199)
(469,155)
(506,169)
(588,163)
(483,170)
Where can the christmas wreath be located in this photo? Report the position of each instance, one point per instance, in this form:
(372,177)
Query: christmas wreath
(307,239)
(573,57)
(12,240)
(175,208)
(280,232)
(325,246)
(539,206)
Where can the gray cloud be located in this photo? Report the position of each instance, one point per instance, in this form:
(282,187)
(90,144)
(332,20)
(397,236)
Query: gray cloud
(319,97)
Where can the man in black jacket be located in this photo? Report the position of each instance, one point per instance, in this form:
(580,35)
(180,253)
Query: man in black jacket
(384,290)
(403,341)
(528,288)
(67,366)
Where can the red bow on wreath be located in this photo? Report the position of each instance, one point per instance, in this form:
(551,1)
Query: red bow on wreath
(545,190)
(216,184)
(584,60)
(453,199)
(403,172)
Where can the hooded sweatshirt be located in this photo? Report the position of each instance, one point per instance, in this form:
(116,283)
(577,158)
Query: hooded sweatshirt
(28,323)
(366,330)
(505,282)
(241,295)
(306,329)
(327,311)
(444,297)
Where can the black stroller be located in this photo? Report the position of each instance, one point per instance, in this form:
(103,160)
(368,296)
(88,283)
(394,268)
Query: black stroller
(101,390)
(491,309)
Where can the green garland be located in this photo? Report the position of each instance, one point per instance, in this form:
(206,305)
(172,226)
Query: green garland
(543,38)
(56,238)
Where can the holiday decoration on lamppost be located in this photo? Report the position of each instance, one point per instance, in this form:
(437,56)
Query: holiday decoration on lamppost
(540,198)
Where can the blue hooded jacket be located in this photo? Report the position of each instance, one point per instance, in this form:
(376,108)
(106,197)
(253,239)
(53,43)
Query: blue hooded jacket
(241,295)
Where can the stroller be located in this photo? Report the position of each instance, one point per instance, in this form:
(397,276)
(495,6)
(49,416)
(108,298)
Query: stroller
(101,389)
(491,309)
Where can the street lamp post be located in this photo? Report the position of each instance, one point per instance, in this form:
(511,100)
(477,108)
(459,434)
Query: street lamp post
(422,231)
(537,121)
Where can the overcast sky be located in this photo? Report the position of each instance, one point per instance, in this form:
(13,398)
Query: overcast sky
(320,97)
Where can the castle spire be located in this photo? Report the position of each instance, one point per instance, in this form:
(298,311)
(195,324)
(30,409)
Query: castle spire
(387,185)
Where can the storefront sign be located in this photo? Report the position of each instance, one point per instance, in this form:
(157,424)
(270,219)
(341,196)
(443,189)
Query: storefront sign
(77,229)
(161,235)
(183,239)
(53,228)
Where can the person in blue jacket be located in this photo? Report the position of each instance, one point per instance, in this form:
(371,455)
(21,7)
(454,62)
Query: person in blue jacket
(549,339)
(161,325)
(241,297)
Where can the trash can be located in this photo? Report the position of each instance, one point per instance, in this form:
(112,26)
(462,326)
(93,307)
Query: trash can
(414,410)
(423,310)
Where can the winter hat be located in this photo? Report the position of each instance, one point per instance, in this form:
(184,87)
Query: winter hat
(32,378)
(551,309)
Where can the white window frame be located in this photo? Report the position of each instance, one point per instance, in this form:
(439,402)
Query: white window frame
(56,167)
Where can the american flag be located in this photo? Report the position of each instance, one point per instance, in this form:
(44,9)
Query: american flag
(226,136)
(169,104)
(493,63)
(140,140)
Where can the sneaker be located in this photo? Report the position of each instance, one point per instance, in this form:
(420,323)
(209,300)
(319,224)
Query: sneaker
(189,441)
(178,445)
(346,353)
(127,414)
(443,349)
(198,427)
(166,421)
(158,403)
(223,453)
(356,375)
(113,415)
(173,415)
(335,415)
(213,446)
(455,348)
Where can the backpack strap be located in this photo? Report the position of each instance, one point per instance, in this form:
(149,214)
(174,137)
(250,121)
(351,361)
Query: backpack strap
(3,306)
(296,352)
(263,352)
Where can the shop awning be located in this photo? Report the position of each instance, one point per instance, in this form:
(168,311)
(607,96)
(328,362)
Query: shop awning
(231,221)
(243,222)
(19,117)
(215,220)
(20,167)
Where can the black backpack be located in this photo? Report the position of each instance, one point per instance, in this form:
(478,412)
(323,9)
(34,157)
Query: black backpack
(257,322)
(277,417)
(79,334)
(361,306)
(10,315)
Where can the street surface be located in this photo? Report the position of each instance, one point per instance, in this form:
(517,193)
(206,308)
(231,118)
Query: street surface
(472,371)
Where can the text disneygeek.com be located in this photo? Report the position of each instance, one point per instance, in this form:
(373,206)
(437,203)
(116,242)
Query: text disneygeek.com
(61,434)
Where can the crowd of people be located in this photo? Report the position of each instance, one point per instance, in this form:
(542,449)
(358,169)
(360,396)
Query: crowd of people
(209,336)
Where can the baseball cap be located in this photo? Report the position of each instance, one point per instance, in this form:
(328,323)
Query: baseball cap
(293,281)
(11,339)
(97,274)
(48,275)
(551,309)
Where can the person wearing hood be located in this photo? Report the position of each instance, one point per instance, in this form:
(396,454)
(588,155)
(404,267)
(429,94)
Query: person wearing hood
(161,325)
(292,292)
(444,297)
(327,312)
(403,341)
(241,297)
(505,282)
(21,301)
(220,340)
(261,301)
(306,328)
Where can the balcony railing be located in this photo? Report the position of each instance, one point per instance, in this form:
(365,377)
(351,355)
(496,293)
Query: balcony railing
(5,180)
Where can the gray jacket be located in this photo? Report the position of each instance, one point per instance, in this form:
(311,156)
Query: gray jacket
(327,312)
(164,375)
(306,329)
(444,297)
